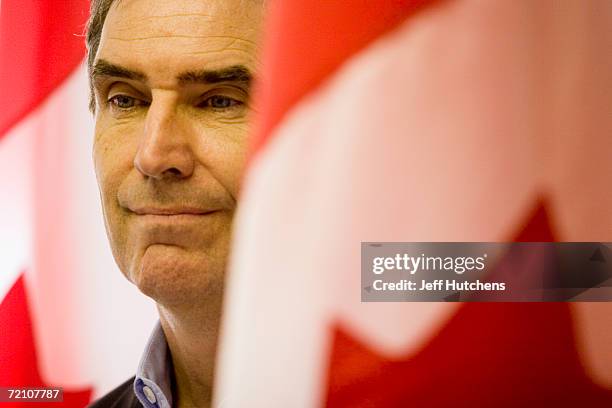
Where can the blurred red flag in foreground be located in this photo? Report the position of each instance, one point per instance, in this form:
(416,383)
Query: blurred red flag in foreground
(416,121)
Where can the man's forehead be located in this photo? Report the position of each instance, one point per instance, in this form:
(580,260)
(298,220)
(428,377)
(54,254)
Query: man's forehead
(132,13)
(165,37)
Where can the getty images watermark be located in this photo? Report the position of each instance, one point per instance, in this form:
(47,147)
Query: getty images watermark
(476,271)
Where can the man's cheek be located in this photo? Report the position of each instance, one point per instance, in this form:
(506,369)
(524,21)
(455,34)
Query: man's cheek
(231,165)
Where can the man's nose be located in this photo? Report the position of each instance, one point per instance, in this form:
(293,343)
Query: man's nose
(164,149)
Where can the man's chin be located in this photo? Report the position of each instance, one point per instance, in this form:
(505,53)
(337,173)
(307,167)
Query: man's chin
(172,276)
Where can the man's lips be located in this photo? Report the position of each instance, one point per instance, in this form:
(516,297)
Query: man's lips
(170,211)
(182,226)
(170,225)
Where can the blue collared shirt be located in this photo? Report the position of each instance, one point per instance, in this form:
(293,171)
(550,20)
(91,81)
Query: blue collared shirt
(153,382)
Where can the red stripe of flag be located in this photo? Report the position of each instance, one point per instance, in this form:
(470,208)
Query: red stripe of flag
(41,43)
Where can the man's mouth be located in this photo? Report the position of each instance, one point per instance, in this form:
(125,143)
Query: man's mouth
(170,211)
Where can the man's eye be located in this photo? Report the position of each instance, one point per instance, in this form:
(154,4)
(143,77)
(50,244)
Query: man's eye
(122,101)
(220,102)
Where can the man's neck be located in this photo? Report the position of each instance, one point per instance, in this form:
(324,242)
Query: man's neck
(192,332)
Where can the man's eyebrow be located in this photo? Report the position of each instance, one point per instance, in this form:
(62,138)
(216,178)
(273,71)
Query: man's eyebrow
(235,73)
(102,69)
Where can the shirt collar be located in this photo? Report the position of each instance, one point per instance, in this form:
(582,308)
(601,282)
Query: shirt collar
(152,384)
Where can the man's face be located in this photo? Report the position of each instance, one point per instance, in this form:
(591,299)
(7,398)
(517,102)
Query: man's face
(171,82)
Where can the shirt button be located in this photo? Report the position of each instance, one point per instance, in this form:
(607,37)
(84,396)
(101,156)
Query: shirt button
(148,392)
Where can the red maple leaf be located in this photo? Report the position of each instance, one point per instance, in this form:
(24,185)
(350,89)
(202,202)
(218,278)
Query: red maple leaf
(486,355)
(18,361)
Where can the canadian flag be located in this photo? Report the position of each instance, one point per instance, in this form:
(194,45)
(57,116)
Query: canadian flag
(419,121)
(67,317)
